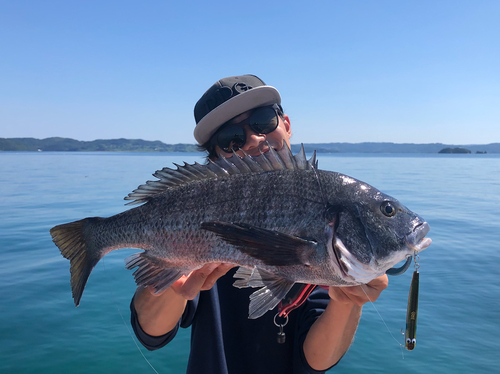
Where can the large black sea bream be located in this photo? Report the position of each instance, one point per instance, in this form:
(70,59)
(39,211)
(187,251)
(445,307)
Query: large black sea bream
(277,216)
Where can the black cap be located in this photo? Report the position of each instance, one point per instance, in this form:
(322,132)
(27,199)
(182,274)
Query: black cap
(228,98)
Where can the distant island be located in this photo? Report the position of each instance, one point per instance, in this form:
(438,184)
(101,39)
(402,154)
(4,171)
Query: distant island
(138,145)
(455,150)
(110,145)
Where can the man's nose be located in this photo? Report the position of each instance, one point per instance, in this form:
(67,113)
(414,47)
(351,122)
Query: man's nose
(253,138)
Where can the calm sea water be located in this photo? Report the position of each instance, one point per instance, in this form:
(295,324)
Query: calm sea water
(42,332)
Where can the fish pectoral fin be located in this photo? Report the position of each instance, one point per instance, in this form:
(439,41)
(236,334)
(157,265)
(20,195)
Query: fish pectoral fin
(271,247)
(152,272)
(267,297)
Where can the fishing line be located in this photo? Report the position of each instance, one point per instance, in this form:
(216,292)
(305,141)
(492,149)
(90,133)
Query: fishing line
(387,327)
(123,319)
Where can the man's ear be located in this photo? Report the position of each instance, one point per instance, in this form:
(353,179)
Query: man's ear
(288,127)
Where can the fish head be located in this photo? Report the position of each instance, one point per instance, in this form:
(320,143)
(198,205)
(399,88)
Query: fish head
(373,231)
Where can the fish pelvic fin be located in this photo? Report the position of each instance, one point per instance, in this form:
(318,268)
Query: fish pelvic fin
(71,241)
(152,271)
(266,298)
(271,247)
(246,277)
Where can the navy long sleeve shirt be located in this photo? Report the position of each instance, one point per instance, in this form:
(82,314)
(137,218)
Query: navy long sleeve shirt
(225,341)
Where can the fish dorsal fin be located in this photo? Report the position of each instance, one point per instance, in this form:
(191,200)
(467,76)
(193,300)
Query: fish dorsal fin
(222,167)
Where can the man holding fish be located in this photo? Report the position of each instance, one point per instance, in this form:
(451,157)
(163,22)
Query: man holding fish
(243,115)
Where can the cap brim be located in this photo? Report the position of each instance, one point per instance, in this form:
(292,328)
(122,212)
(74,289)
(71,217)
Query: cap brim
(256,97)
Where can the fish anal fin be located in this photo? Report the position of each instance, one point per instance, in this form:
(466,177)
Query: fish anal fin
(152,271)
(271,247)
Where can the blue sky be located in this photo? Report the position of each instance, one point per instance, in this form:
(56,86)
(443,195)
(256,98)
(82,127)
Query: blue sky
(348,71)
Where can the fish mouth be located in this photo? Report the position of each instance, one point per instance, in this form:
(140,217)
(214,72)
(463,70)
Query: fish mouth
(416,240)
(354,270)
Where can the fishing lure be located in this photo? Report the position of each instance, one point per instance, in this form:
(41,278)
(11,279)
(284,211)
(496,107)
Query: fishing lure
(411,313)
(300,292)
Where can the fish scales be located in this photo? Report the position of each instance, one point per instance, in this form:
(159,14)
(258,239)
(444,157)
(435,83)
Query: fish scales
(276,215)
(168,225)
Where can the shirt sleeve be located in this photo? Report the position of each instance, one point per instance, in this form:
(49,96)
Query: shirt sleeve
(156,342)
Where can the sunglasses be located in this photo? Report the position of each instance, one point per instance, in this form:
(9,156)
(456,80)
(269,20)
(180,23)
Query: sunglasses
(232,137)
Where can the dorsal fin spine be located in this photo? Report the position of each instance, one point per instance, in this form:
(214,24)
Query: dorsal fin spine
(240,164)
(186,172)
(300,159)
(217,169)
(252,164)
(222,163)
(176,178)
(222,167)
(274,158)
(287,158)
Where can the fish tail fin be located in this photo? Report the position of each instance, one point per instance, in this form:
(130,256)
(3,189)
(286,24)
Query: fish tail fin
(71,241)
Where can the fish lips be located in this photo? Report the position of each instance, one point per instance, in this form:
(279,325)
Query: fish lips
(416,240)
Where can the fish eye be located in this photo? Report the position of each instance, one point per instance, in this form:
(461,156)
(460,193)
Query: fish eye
(408,341)
(388,209)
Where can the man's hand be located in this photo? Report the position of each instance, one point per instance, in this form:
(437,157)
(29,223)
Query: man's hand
(202,279)
(159,313)
(359,295)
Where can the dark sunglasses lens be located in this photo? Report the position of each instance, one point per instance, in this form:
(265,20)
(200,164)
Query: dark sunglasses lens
(264,121)
(231,138)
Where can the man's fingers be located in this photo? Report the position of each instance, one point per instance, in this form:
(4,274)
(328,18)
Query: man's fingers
(195,281)
(200,279)
(362,294)
(218,272)
(379,283)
